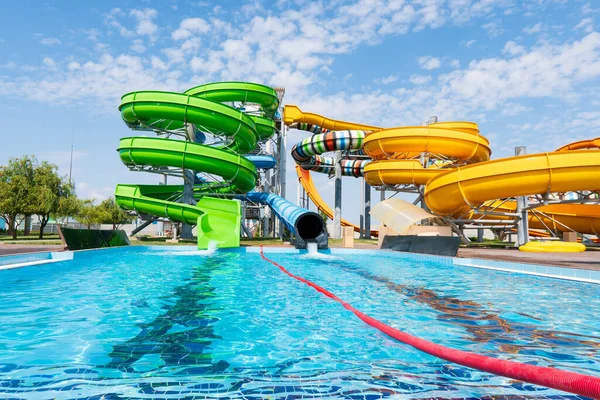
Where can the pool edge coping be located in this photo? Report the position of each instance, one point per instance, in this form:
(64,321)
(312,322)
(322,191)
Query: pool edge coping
(546,271)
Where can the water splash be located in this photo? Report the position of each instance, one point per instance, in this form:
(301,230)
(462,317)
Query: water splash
(213,246)
(313,252)
(313,248)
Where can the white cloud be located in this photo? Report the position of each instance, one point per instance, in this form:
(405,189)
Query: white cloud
(144,18)
(470,43)
(138,46)
(385,80)
(586,25)
(158,64)
(494,28)
(537,28)
(549,70)
(511,109)
(73,65)
(50,41)
(296,49)
(489,84)
(429,63)
(111,19)
(513,49)
(189,27)
(419,79)
(49,62)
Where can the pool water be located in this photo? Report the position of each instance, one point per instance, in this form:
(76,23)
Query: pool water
(146,323)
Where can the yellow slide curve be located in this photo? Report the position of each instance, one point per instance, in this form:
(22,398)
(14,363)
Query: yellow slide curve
(455,191)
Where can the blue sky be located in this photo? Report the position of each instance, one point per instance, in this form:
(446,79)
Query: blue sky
(526,71)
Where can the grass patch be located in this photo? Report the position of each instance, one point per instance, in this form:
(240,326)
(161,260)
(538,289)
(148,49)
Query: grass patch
(34,242)
(34,237)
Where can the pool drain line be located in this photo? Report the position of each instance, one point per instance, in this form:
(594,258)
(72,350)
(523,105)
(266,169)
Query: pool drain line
(567,381)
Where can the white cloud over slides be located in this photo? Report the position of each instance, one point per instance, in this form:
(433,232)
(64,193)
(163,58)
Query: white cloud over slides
(296,48)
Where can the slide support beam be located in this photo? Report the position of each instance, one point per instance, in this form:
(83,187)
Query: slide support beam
(188,184)
(337,214)
(523,216)
(367,209)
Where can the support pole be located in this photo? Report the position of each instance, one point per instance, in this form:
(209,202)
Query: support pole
(143,225)
(337,214)
(361,231)
(299,194)
(523,218)
(160,225)
(282,168)
(188,184)
(367,190)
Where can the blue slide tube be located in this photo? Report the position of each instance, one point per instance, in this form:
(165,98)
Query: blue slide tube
(306,226)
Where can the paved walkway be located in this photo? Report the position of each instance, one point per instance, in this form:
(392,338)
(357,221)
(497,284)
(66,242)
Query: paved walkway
(589,259)
(6,249)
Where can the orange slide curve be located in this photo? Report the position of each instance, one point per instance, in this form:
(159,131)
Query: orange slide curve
(455,189)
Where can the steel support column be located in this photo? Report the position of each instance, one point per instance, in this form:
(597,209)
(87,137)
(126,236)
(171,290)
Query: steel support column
(337,213)
(523,216)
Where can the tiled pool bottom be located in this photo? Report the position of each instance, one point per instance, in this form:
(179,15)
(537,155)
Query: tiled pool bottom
(175,323)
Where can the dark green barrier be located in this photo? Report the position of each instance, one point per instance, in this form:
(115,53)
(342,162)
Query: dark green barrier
(437,245)
(81,239)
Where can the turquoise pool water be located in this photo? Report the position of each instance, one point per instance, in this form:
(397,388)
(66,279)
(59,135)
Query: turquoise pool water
(142,323)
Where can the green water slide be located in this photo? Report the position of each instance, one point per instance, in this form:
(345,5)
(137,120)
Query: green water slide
(201,109)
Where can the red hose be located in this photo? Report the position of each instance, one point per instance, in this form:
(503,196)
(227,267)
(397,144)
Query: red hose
(572,382)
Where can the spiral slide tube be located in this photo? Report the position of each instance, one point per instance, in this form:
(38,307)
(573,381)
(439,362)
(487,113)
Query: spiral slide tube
(199,108)
(572,382)
(307,155)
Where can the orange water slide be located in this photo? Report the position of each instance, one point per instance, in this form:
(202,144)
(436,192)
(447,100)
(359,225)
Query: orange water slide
(464,190)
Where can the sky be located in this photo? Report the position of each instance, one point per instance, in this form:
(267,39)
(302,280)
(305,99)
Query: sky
(528,72)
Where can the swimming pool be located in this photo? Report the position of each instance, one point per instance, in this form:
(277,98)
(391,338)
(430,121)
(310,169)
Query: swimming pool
(163,323)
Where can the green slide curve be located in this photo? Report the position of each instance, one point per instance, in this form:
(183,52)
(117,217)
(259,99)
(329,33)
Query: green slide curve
(202,107)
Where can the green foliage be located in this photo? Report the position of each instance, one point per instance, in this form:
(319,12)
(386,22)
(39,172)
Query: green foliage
(107,212)
(88,213)
(49,190)
(29,187)
(113,214)
(16,191)
(68,206)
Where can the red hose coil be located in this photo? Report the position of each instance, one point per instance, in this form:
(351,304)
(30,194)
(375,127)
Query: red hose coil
(573,382)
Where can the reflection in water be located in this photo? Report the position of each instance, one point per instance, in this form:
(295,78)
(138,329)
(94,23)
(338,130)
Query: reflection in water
(469,314)
(182,334)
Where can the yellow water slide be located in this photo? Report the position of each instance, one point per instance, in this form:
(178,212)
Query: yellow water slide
(461,180)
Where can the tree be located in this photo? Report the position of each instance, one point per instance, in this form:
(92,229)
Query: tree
(89,214)
(113,214)
(68,206)
(16,186)
(48,190)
